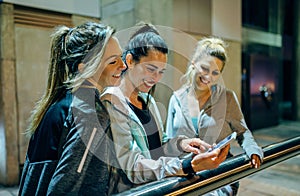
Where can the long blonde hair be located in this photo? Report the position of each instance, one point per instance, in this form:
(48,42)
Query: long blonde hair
(92,60)
(69,47)
(207,46)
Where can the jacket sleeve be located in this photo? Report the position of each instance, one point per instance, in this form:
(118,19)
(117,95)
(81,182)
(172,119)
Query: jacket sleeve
(248,143)
(82,168)
(132,152)
(238,124)
(170,131)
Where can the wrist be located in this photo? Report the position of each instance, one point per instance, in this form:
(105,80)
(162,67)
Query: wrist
(179,144)
(187,166)
(180,138)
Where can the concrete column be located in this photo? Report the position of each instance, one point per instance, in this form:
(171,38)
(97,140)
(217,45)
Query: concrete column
(119,13)
(227,19)
(9,161)
(226,22)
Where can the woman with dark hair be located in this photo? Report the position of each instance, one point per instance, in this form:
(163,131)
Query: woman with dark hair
(142,149)
(86,58)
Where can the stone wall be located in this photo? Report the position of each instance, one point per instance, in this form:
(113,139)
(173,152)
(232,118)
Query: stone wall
(24,56)
(9,162)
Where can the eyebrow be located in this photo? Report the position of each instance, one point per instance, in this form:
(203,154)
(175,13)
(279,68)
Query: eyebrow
(204,64)
(113,56)
(154,66)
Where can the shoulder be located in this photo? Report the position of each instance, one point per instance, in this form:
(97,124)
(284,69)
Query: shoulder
(180,94)
(174,100)
(63,102)
(86,101)
(232,100)
(231,95)
(182,91)
(115,101)
(113,95)
(113,90)
(59,109)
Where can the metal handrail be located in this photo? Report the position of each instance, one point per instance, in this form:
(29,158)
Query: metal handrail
(229,171)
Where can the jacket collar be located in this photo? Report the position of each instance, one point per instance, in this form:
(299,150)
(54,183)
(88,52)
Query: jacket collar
(216,92)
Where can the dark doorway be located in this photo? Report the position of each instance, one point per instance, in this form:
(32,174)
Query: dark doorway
(261,90)
(268,89)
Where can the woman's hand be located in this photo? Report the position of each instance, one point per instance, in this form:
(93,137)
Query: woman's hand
(210,160)
(255,161)
(194,145)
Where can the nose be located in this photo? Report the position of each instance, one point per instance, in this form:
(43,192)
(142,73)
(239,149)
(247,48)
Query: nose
(207,76)
(156,76)
(122,66)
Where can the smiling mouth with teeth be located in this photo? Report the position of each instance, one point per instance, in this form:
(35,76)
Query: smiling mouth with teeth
(203,80)
(116,75)
(149,84)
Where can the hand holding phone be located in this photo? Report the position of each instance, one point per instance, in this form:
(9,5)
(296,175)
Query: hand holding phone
(224,142)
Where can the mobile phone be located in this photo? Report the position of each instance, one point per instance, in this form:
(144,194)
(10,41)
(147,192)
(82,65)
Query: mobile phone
(224,142)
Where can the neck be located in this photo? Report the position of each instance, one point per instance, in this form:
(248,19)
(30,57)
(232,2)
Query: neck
(95,84)
(201,94)
(130,91)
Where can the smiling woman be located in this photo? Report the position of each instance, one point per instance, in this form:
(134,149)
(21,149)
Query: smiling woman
(146,73)
(204,108)
(107,74)
(84,60)
(143,151)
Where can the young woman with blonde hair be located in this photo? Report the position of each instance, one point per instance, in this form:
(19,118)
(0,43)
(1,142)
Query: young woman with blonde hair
(203,107)
(84,60)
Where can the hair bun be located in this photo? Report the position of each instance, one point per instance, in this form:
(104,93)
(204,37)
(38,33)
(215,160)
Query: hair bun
(145,28)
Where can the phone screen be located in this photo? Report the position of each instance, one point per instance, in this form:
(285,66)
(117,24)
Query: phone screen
(224,142)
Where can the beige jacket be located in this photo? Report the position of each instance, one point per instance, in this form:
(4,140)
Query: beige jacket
(220,117)
(131,144)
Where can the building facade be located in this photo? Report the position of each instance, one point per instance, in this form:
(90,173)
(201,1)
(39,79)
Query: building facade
(26,26)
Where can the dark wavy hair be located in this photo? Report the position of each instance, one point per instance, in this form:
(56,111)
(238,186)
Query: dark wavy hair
(146,38)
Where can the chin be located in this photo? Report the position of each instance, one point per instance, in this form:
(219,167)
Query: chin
(144,89)
(202,86)
(117,82)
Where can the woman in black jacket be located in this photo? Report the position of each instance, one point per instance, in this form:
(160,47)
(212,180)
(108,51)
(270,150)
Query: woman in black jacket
(85,57)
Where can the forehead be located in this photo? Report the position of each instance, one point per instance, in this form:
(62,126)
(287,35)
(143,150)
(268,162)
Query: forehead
(155,57)
(210,61)
(112,47)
